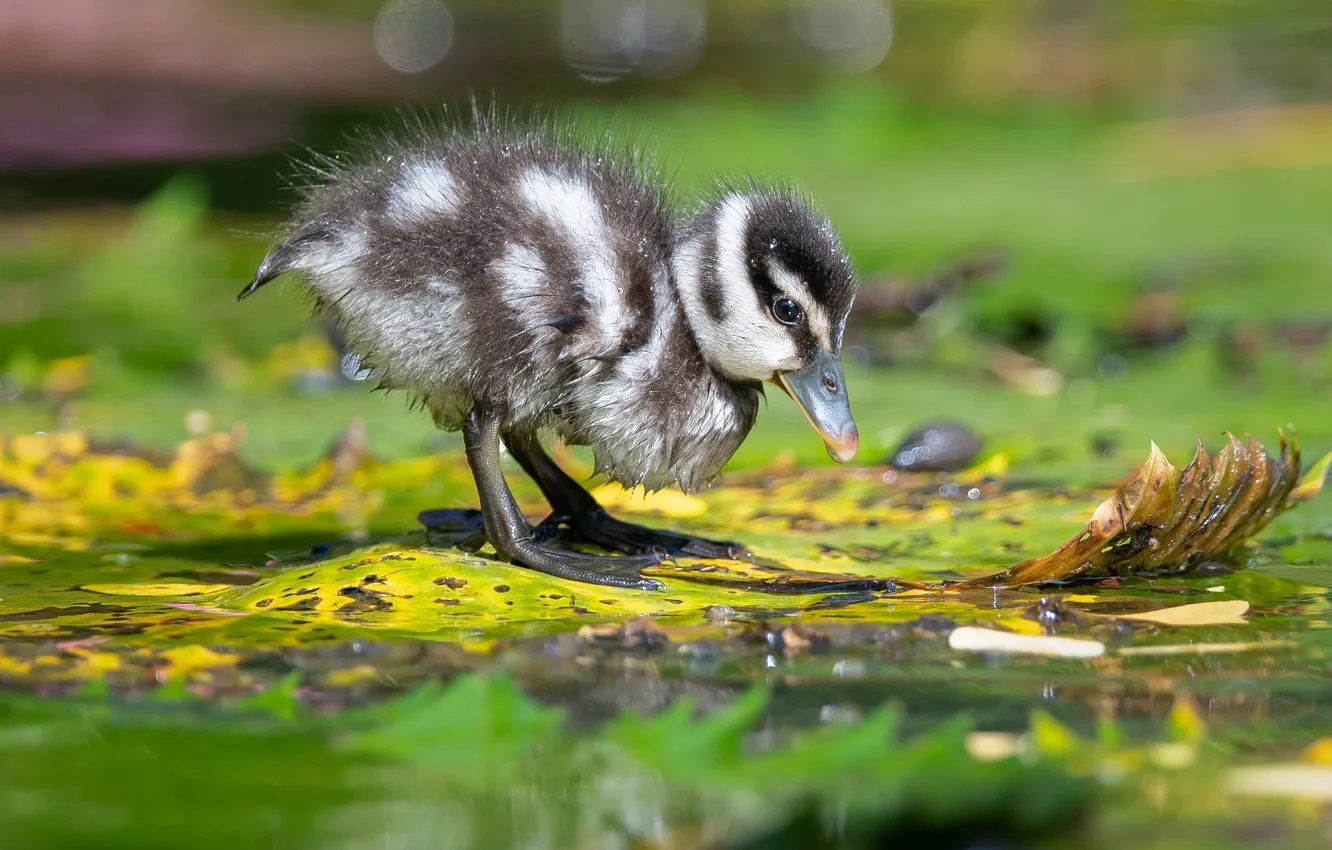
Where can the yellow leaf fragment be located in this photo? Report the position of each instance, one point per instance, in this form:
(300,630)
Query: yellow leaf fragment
(1312,482)
(13,667)
(351,676)
(184,660)
(1050,737)
(1185,723)
(94,664)
(173,589)
(1227,612)
(1319,752)
(1021,625)
(972,639)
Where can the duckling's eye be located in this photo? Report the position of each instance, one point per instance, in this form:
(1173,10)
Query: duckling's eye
(787,311)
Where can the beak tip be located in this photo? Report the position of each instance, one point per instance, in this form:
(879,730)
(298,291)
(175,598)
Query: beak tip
(844,449)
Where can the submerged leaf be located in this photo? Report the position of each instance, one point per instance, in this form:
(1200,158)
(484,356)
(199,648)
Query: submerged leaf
(1167,520)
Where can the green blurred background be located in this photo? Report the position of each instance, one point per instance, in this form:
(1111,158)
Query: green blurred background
(1078,224)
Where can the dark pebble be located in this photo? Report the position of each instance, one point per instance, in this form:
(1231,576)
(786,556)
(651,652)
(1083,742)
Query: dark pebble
(941,445)
(450,519)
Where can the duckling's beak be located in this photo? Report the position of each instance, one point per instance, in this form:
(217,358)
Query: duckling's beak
(820,390)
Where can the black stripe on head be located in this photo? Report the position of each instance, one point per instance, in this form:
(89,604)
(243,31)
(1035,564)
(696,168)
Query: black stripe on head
(709,274)
(768,292)
(784,228)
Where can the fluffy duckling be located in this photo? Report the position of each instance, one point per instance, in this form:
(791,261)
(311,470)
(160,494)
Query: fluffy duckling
(517,277)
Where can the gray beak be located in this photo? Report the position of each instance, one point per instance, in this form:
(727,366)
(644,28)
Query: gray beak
(820,390)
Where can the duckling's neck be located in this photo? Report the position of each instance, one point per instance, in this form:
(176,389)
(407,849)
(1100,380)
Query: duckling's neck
(660,415)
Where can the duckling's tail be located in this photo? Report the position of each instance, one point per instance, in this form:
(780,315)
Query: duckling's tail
(282,258)
(268,269)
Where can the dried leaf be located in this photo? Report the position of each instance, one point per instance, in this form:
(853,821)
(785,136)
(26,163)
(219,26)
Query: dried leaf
(1312,483)
(1229,612)
(1167,520)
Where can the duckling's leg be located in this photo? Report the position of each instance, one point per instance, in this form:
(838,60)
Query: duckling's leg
(589,521)
(509,532)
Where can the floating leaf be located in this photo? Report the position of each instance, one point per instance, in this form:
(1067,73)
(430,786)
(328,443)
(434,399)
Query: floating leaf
(1229,612)
(1165,519)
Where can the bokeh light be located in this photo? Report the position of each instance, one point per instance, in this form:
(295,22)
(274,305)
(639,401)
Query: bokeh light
(413,35)
(853,35)
(606,39)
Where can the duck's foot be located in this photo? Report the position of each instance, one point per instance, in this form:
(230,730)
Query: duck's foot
(601,529)
(607,570)
(579,518)
(604,570)
(509,533)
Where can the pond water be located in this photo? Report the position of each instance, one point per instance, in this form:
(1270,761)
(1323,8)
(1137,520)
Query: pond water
(221,621)
(208,632)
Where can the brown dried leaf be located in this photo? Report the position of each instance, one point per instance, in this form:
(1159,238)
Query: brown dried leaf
(1167,520)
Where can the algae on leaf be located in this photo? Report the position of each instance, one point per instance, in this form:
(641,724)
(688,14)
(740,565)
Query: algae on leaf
(1167,520)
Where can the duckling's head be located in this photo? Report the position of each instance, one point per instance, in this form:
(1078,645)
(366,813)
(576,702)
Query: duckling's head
(767,286)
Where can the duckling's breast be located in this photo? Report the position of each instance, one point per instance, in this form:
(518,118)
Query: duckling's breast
(658,415)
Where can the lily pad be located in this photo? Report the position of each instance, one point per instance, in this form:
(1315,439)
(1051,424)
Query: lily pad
(169,589)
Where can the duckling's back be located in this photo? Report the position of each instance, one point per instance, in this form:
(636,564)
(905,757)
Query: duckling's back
(520,268)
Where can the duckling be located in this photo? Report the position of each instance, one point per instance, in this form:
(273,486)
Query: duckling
(517,277)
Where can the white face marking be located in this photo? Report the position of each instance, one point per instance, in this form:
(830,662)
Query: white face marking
(424,191)
(748,343)
(790,284)
(570,206)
